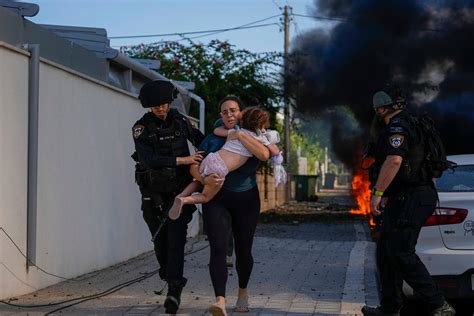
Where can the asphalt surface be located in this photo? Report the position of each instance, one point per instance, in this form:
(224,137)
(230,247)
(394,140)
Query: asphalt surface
(305,269)
(301,268)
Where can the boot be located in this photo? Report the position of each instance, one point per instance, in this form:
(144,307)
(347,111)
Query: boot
(445,310)
(162,273)
(377,311)
(173,298)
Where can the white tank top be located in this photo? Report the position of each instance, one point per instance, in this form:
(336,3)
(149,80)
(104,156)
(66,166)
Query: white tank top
(235,146)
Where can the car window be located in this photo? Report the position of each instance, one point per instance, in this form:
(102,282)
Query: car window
(461,179)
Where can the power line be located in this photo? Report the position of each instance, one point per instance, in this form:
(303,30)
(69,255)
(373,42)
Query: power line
(28,259)
(199,36)
(82,299)
(277,5)
(318,17)
(262,20)
(296,26)
(244,26)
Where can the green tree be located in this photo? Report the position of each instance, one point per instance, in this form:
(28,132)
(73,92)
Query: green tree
(219,69)
(308,148)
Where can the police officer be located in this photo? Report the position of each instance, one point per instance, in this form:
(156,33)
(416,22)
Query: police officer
(162,170)
(405,197)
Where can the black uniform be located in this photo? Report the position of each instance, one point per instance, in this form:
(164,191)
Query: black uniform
(157,144)
(411,200)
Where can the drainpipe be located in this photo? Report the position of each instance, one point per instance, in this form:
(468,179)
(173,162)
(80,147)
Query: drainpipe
(33,107)
(202,110)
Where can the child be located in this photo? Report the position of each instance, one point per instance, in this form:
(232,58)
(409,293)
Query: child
(229,158)
(279,172)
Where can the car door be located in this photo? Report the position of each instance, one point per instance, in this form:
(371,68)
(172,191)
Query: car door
(456,195)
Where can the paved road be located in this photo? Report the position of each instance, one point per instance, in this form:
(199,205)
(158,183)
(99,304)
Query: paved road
(306,269)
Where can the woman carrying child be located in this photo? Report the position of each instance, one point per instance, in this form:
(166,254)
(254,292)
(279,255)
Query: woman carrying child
(229,158)
(235,207)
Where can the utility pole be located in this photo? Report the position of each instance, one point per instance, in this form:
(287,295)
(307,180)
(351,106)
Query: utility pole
(286,101)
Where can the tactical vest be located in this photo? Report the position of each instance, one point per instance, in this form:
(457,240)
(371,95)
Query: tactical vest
(170,142)
(411,172)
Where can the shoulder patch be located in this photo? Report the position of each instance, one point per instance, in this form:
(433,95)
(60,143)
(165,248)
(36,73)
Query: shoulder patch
(137,130)
(396,140)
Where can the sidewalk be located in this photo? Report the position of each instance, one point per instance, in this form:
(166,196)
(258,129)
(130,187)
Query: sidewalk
(306,269)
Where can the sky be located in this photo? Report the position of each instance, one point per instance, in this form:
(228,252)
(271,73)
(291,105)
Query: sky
(142,17)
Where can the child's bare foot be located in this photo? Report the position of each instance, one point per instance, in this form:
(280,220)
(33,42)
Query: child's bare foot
(175,210)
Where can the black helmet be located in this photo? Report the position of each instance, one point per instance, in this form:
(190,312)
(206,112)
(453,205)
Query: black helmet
(157,92)
(390,96)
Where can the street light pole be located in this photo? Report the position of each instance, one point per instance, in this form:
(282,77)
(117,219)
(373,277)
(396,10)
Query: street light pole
(286,101)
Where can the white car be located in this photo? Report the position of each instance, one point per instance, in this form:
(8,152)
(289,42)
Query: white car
(446,242)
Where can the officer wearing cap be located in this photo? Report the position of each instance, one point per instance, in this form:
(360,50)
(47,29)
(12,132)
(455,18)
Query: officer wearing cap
(405,197)
(162,170)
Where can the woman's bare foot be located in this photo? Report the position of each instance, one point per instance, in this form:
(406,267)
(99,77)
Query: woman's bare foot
(242,304)
(218,308)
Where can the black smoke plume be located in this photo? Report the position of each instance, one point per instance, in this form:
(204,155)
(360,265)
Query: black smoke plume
(425,47)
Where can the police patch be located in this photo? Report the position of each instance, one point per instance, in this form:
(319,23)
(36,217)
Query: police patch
(396,140)
(396,129)
(138,130)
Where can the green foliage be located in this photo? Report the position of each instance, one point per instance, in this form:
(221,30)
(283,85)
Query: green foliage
(309,148)
(218,69)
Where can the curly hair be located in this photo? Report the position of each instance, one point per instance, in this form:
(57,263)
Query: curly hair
(254,119)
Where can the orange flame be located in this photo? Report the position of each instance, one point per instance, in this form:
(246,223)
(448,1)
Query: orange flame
(361,192)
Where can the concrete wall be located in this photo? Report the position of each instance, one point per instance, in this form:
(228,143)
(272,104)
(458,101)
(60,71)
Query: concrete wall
(270,197)
(88,204)
(13,171)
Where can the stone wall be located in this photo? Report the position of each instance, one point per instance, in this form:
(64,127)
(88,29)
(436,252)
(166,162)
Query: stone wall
(270,197)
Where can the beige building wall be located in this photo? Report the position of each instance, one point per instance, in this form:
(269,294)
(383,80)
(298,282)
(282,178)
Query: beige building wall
(88,213)
(270,197)
(13,171)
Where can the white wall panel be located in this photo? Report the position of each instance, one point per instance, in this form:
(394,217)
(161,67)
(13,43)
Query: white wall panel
(88,204)
(13,170)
